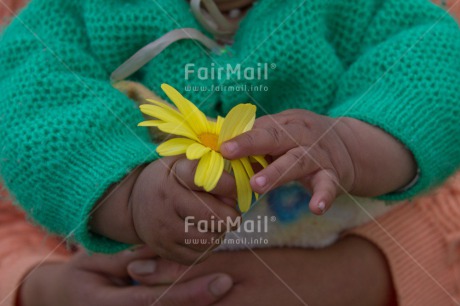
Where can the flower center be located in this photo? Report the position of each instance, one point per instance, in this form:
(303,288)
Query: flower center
(209,140)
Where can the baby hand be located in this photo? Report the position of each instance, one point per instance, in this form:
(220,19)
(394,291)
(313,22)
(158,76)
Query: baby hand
(167,205)
(329,156)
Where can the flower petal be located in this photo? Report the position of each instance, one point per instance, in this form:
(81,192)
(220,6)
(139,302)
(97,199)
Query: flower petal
(201,169)
(260,159)
(212,126)
(227,165)
(249,170)
(214,171)
(219,123)
(177,129)
(175,146)
(197,120)
(151,123)
(209,170)
(196,151)
(173,121)
(162,104)
(240,119)
(243,187)
(247,166)
(165,114)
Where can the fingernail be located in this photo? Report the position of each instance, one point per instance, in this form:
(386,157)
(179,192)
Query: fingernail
(220,285)
(230,146)
(142,267)
(261,181)
(322,206)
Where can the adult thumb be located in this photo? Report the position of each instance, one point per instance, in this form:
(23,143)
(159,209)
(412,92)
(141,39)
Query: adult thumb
(199,291)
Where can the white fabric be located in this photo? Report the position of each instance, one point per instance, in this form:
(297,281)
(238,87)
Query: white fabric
(309,231)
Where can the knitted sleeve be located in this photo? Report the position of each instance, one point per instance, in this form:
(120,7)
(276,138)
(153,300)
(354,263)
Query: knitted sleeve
(403,75)
(66,134)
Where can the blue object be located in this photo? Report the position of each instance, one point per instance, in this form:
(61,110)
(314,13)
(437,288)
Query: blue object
(289,202)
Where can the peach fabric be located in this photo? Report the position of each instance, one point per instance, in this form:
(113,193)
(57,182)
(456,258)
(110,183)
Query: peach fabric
(8,8)
(22,247)
(421,240)
(452,5)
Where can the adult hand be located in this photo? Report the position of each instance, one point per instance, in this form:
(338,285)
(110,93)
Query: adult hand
(102,280)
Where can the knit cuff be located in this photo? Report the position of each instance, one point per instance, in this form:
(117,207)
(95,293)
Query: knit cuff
(85,181)
(427,137)
(417,254)
(105,171)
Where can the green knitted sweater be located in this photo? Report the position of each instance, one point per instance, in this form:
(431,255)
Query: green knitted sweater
(66,134)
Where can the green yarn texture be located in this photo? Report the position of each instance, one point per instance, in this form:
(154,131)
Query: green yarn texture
(66,134)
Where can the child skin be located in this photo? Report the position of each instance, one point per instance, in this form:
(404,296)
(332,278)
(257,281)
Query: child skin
(330,156)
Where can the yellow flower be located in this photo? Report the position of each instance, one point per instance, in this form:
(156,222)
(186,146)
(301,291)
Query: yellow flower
(201,140)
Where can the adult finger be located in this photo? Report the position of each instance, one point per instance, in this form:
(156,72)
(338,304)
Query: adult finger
(114,265)
(201,291)
(165,271)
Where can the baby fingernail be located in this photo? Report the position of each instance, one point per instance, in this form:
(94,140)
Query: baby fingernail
(231,146)
(142,267)
(322,206)
(220,285)
(261,181)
